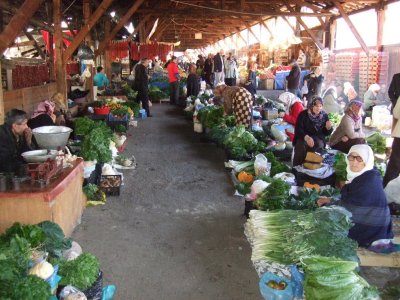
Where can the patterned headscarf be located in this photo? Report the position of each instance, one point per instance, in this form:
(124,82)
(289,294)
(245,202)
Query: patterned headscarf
(350,112)
(288,99)
(44,107)
(317,119)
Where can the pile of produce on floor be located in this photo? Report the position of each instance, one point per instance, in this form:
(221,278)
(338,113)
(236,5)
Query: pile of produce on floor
(39,262)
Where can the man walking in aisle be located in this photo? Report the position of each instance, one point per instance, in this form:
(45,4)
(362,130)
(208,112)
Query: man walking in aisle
(219,67)
(142,84)
(173,77)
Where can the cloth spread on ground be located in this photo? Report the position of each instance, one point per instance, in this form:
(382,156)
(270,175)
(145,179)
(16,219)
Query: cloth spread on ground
(323,172)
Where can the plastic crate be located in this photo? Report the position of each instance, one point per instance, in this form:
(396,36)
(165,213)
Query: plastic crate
(110,184)
(113,122)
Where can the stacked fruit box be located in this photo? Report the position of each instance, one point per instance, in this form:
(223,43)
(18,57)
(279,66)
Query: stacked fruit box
(373,69)
(347,67)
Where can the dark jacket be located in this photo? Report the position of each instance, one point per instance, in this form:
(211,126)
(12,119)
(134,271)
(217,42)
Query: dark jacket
(314,85)
(394,89)
(40,120)
(193,85)
(208,66)
(141,82)
(293,79)
(304,126)
(10,150)
(365,198)
(218,63)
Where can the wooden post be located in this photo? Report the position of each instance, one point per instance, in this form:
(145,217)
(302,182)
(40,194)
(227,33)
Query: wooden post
(1,99)
(380,11)
(86,29)
(17,23)
(107,62)
(60,67)
(332,31)
(117,27)
(351,26)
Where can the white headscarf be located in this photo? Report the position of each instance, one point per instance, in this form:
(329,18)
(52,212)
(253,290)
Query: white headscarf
(288,99)
(374,87)
(366,153)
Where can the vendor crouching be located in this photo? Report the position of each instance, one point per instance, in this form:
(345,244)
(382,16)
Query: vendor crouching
(311,128)
(16,138)
(237,100)
(364,197)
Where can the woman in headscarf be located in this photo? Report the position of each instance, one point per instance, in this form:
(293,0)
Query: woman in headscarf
(311,128)
(237,100)
(364,197)
(48,112)
(349,132)
(370,97)
(332,103)
(294,107)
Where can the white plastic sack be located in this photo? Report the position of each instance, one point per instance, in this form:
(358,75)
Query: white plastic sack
(278,131)
(257,187)
(392,191)
(261,165)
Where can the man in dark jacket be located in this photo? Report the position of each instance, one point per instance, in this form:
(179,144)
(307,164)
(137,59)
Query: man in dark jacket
(293,79)
(142,84)
(15,138)
(394,89)
(219,67)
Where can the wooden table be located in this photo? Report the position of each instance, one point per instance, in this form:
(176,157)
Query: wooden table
(62,201)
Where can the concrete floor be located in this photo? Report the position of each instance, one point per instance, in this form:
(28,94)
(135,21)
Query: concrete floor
(176,231)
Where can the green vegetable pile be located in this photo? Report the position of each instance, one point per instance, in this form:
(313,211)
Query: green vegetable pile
(211,116)
(155,94)
(284,236)
(96,144)
(93,193)
(377,142)
(276,165)
(335,119)
(81,272)
(307,199)
(83,125)
(16,246)
(217,134)
(334,278)
(340,167)
(274,196)
(130,93)
(240,142)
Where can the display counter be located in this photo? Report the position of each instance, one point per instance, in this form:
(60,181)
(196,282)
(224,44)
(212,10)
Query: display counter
(61,201)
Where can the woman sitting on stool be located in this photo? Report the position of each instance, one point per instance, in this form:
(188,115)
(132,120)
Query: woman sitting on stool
(364,197)
(311,128)
(349,132)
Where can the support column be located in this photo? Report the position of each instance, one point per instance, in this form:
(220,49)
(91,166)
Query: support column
(60,67)
(380,12)
(1,99)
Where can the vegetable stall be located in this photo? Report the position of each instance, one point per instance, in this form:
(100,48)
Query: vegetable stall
(292,239)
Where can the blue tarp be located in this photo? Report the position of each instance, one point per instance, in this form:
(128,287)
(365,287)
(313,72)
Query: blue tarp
(280,78)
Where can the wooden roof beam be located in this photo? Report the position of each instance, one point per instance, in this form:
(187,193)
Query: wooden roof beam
(120,24)
(161,28)
(35,44)
(17,23)
(140,25)
(86,29)
(33,21)
(310,33)
(351,26)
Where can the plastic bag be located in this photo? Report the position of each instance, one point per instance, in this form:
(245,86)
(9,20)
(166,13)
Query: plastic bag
(270,293)
(297,282)
(261,165)
(304,89)
(257,187)
(392,191)
(71,293)
(278,131)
